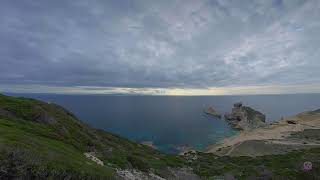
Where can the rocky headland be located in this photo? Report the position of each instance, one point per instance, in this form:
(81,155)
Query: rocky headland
(301,131)
(245,118)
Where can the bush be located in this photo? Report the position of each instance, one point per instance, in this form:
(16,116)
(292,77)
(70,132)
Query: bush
(138,163)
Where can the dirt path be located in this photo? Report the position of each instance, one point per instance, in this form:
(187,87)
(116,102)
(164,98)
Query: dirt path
(274,133)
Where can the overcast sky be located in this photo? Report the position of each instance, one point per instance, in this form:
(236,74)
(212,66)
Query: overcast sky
(160,47)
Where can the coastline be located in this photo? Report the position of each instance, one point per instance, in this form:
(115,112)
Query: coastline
(275,138)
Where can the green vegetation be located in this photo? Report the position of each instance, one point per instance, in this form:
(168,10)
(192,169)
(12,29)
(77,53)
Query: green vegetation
(287,166)
(47,138)
(44,141)
(26,149)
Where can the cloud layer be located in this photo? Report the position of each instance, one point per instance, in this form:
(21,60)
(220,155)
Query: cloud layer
(159,44)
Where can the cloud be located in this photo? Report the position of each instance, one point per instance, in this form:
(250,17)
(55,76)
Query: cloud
(159,44)
(280,50)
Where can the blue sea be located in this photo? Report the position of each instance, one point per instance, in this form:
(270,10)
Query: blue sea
(172,122)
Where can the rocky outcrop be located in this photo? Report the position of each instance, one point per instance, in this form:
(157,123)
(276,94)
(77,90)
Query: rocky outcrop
(245,118)
(170,174)
(92,157)
(213,112)
(298,132)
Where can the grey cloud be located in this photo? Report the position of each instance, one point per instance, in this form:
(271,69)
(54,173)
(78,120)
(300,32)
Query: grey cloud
(159,43)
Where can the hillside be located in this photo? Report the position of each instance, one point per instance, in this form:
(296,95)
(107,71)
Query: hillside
(39,140)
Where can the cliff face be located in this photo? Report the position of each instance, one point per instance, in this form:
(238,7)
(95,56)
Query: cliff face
(245,118)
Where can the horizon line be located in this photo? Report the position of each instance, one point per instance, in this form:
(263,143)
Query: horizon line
(174,91)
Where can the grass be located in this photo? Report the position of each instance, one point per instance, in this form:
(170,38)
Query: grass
(52,147)
(60,144)
(287,166)
(26,142)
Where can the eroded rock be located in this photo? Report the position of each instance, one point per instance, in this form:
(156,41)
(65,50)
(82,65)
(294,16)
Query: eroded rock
(92,157)
(245,118)
(212,111)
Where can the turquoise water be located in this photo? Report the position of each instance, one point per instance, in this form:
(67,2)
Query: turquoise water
(173,122)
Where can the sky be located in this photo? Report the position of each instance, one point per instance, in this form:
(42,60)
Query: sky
(167,47)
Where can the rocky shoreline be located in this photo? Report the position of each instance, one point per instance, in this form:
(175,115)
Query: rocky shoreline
(297,132)
(241,117)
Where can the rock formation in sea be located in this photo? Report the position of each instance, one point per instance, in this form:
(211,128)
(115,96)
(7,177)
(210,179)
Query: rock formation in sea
(212,111)
(245,118)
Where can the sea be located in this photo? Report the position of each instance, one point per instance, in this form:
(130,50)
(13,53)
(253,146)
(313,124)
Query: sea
(173,123)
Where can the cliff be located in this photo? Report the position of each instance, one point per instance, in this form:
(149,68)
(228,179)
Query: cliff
(245,118)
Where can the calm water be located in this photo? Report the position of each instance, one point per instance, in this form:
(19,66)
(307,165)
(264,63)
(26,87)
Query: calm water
(170,122)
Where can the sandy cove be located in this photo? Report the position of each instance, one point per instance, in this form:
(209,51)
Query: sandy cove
(275,138)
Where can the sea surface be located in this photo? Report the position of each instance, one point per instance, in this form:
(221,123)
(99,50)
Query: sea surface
(173,122)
